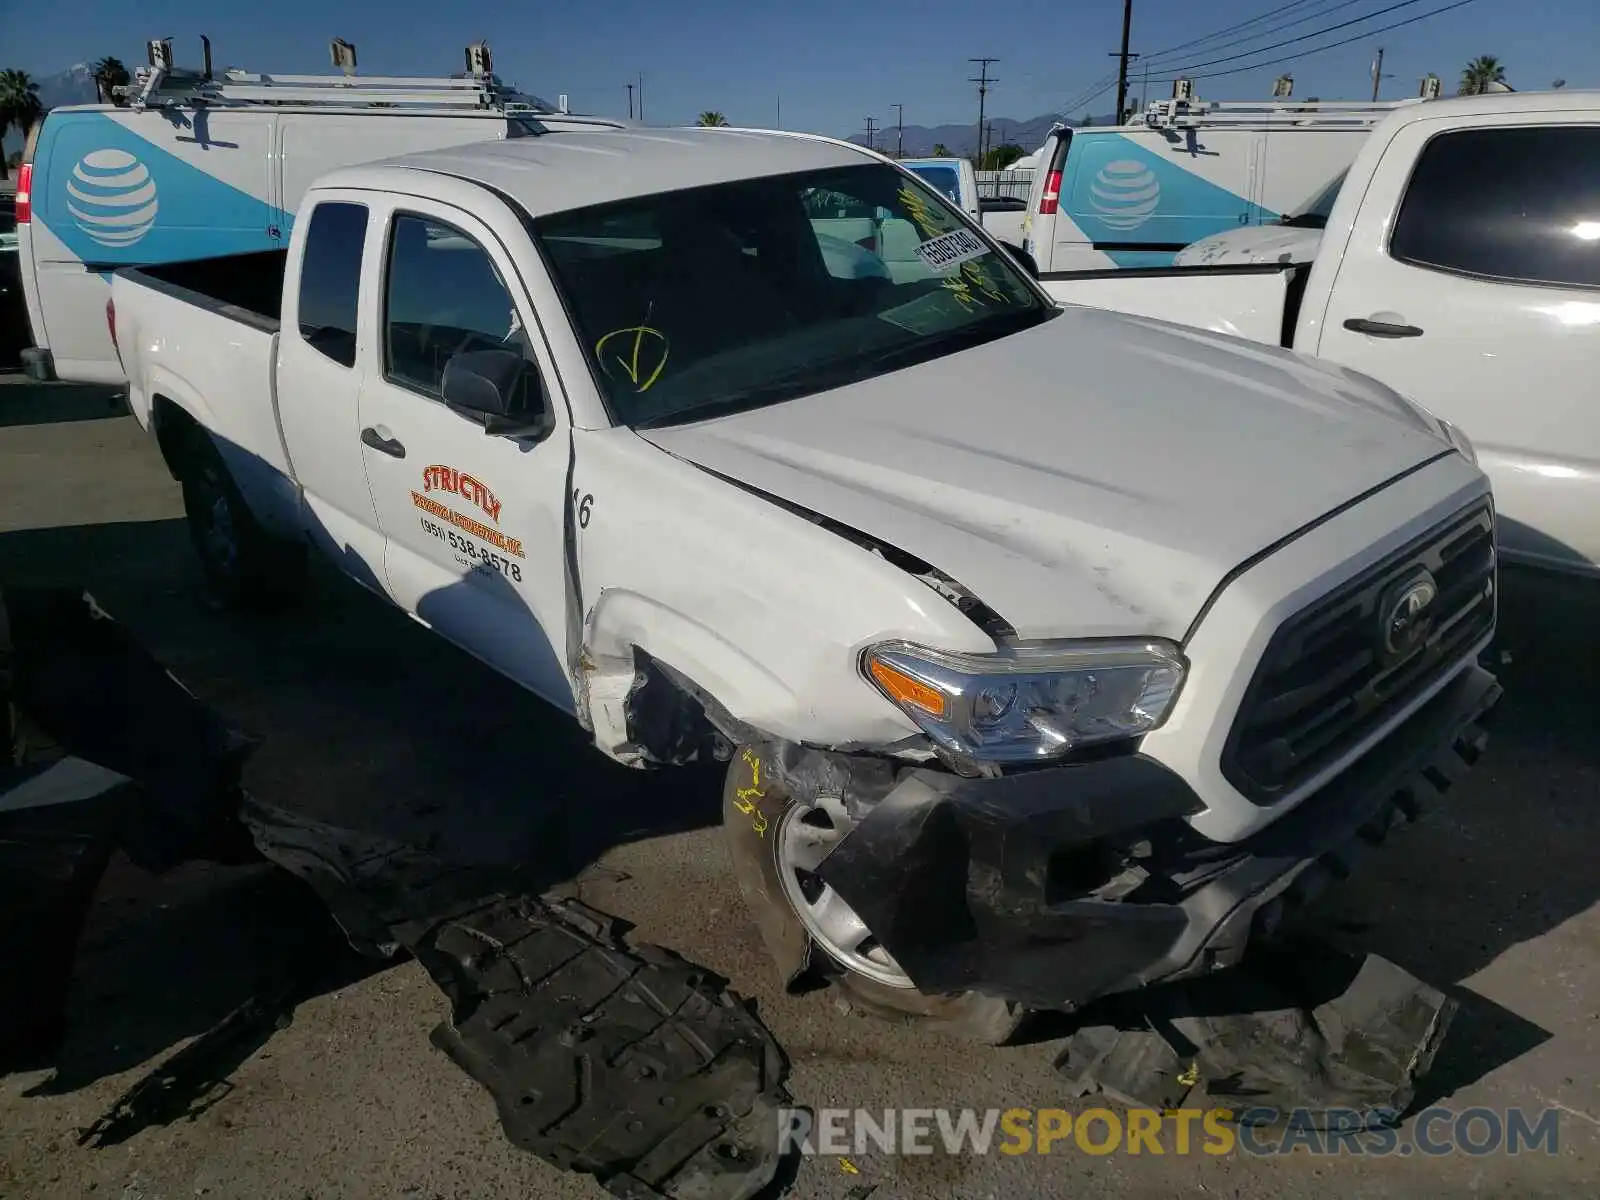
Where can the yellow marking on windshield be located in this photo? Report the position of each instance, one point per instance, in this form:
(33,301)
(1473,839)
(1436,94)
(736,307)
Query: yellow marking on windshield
(630,365)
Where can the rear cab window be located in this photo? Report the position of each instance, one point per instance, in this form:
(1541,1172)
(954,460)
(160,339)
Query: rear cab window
(1518,204)
(330,279)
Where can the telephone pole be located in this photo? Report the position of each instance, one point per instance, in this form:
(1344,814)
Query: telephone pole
(641,95)
(1377,72)
(630,102)
(983,81)
(899,130)
(1122,60)
(988,143)
(872,141)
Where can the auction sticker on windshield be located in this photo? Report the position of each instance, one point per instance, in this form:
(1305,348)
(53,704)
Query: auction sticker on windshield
(951,249)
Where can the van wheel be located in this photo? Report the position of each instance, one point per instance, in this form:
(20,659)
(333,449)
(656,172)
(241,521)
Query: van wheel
(245,566)
(777,844)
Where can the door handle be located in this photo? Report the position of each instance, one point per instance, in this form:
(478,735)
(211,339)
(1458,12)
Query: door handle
(1383,329)
(390,446)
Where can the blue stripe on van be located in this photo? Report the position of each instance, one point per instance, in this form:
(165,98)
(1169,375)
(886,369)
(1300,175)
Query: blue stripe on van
(1121,191)
(116,198)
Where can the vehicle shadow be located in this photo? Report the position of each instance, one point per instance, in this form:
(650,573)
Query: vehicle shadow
(1508,856)
(24,402)
(369,722)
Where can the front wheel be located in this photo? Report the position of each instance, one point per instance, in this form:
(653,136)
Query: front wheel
(245,566)
(777,844)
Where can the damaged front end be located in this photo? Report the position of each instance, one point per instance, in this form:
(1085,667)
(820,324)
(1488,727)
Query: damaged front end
(1054,887)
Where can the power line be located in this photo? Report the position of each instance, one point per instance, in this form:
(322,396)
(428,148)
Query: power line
(1227,29)
(1097,89)
(983,81)
(1300,20)
(1304,37)
(1330,46)
(1168,73)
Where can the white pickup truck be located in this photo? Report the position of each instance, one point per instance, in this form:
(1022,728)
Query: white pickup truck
(1053,653)
(1458,261)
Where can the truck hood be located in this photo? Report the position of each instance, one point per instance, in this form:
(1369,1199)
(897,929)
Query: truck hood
(1097,475)
(1257,244)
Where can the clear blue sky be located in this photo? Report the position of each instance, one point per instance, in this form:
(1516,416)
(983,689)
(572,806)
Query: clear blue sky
(833,62)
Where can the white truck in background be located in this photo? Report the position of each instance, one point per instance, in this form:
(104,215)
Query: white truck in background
(1000,215)
(1459,264)
(597,408)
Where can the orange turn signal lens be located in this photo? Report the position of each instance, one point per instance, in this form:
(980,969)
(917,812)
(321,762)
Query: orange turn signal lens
(903,689)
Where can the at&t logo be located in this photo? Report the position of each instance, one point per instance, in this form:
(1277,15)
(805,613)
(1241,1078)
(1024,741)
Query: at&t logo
(112,197)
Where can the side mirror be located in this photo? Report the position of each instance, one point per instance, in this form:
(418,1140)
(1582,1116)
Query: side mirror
(499,389)
(1023,259)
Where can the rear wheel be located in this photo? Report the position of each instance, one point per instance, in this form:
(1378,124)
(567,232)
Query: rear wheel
(778,844)
(245,566)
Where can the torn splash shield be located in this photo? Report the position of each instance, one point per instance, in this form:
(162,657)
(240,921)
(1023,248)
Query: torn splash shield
(1305,1027)
(628,1064)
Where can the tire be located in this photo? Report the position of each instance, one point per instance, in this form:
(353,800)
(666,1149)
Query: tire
(245,567)
(759,821)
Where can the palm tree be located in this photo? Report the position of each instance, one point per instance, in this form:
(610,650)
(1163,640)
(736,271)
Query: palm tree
(110,73)
(19,104)
(1479,74)
(712,118)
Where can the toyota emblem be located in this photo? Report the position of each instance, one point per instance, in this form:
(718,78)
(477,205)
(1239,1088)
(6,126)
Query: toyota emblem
(1407,614)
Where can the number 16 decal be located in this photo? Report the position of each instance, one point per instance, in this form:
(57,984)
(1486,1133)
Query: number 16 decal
(585,506)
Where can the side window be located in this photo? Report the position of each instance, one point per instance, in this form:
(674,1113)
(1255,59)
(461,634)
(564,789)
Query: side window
(442,296)
(1514,204)
(330,277)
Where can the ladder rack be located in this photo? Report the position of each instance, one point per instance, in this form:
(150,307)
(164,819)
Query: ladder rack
(1198,114)
(162,84)
(155,88)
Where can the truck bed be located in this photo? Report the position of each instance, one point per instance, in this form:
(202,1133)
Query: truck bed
(1257,301)
(243,287)
(203,335)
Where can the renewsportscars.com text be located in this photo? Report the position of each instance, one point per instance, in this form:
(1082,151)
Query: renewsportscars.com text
(1214,1131)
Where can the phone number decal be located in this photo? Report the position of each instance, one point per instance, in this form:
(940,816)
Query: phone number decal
(511,545)
(479,558)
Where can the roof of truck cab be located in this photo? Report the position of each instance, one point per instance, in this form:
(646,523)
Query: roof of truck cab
(561,171)
(1564,99)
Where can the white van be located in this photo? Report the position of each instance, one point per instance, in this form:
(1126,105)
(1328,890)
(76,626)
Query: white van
(200,165)
(1135,195)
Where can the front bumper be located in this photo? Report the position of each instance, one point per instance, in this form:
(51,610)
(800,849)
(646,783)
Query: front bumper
(1058,886)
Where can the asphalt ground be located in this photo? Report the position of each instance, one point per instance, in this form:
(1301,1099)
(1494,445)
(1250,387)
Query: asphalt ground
(370,720)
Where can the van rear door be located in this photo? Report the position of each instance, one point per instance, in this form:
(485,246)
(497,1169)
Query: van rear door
(1135,197)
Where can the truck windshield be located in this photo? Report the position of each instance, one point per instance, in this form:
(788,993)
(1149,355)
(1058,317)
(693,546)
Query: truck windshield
(711,300)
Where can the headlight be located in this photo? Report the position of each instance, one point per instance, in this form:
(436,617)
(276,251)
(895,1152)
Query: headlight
(1458,439)
(1030,703)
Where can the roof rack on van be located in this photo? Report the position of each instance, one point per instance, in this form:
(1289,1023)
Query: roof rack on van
(162,84)
(1196,114)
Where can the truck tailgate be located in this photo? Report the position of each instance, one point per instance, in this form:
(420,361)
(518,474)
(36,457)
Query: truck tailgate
(1249,300)
(212,359)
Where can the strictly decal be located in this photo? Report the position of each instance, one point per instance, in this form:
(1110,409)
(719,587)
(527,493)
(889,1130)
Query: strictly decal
(448,479)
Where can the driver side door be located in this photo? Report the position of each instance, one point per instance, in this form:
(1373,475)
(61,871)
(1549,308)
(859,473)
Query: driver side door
(471,522)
